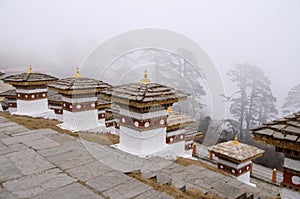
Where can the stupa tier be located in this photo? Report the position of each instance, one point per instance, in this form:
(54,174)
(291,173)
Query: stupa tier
(235,158)
(2,103)
(55,104)
(2,73)
(31,92)
(284,134)
(181,131)
(9,97)
(79,101)
(142,114)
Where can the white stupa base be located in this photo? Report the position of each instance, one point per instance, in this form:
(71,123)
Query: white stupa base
(289,194)
(47,114)
(245,178)
(169,151)
(117,131)
(112,130)
(188,154)
(82,121)
(12,110)
(101,121)
(32,107)
(92,129)
(59,117)
(142,142)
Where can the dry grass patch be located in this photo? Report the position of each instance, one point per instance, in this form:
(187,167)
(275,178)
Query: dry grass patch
(36,123)
(168,189)
(186,162)
(41,123)
(103,139)
(173,191)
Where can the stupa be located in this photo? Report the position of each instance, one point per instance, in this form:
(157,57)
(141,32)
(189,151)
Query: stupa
(79,101)
(284,134)
(102,105)
(31,92)
(55,103)
(1,73)
(1,98)
(10,97)
(235,158)
(142,114)
(181,131)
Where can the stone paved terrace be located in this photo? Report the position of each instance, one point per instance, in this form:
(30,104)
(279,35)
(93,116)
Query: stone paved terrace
(47,164)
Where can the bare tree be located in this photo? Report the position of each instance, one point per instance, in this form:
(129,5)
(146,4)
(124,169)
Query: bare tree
(292,101)
(253,102)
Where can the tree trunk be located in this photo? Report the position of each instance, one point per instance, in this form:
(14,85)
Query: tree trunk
(249,116)
(242,135)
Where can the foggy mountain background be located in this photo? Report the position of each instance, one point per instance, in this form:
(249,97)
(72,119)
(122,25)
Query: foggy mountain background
(56,36)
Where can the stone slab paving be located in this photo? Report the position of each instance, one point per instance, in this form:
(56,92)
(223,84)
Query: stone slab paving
(114,158)
(70,159)
(11,148)
(153,194)
(4,120)
(6,123)
(72,191)
(31,185)
(127,189)
(4,194)
(89,171)
(12,129)
(3,135)
(8,170)
(47,164)
(108,180)
(122,161)
(22,138)
(29,161)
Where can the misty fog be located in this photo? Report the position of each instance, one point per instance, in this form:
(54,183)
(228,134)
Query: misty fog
(56,36)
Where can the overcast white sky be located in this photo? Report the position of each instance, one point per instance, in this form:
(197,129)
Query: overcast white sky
(53,33)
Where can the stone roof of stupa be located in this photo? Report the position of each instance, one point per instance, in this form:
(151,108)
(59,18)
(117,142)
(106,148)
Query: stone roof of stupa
(73,85)
(235,151)
(29,78)
(55,98)
(282,133)
(177,120)
(144,94)
(11,92)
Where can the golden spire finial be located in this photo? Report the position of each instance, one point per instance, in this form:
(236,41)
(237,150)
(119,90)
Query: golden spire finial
(235,141)
(170,110)
(77,74)
(30,69)
(145,80)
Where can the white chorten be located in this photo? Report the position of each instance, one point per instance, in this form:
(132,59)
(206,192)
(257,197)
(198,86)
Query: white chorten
(79,101)
(55,103)
(181,132)
(9,98)
(31,92)
(235,158)
(142,114)
(1,98)
(284,134)
(102,105)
